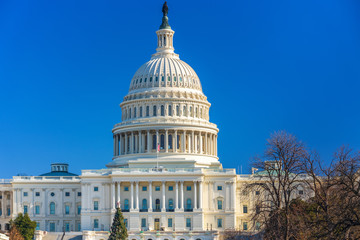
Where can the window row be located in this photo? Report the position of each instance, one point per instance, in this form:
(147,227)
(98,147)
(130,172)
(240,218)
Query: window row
(52,194)
(144,205)
(165,110)
(165,80)
(52,209)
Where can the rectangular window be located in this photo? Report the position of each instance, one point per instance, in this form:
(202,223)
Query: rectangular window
(67,227)
(37,194)
(37,226)
(37,209)
(188,222)
(188,188)
(67,194)
(143,222)
(257,193)
(144,188)
(171,188)
(157,188)
(79,209)
(96,205)
(67,209)
(79,194)
(25,194)
(52,227)
(301,192)
(96,189)
(79,226)
(219,188)
(126,189)
(170,222)
(245,226)
(220,204)
(96,223)
(219,223)
(257,226)
(25,209)
(126,222)
(245,209)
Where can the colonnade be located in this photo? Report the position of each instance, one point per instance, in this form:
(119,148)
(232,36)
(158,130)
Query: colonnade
(6,204)
(178,205)
(174,141)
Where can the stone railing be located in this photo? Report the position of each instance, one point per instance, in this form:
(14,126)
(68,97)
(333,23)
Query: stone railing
(157,171)
(46,178)
(5,181)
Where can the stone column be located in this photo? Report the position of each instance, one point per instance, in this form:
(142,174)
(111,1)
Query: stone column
(140,142)
(117,144)
(215,145)
(132,196)
(137,196)
(132,143)
(166,141)
(195,195)
(32,208)
(233,195)
(193,144)
(44,206)
(126,143)
(89,196)
(206,143)
(182,195)
(175,141)
(227,204)
(150,196)
(210,195)
(118,194)
(11,203)
(62,203)
(163,206)
(114,137)
(200,195)
(113,196)
(183,142)
(157,139)
(177,195)
(201,144)
(74,201)
(196,144)
(148,142)
(189,143)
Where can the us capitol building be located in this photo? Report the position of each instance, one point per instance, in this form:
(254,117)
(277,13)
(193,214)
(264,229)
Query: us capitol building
(165,173)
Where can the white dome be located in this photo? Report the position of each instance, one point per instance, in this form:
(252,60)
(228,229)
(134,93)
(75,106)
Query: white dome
(165,72)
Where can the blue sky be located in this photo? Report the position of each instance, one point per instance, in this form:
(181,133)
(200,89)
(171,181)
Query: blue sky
(264,65)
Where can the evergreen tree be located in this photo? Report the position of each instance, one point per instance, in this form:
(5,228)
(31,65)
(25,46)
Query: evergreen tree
(118,228)
(25,226)
(14,233)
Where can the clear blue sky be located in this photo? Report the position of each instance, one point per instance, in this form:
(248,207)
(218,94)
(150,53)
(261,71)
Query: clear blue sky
(264,65)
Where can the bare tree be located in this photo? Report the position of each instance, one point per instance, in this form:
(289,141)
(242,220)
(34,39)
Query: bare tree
(278,178)
(336,191)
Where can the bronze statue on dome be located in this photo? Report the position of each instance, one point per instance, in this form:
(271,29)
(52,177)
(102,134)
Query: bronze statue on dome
(165,9)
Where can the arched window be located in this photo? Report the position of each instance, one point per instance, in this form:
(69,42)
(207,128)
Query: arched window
(169,110)
(162,141)
(129,112)
(141,110)
(170,142)
(201,116)
(177,110)
(191,112)
(154,142)
(52,208)
(134,112)
(171,204)
(188,204)
(154,111)
(126,204)
(196,112)
(157,204)
(147,111)
(179,142)
(162,110)
(184,111)
(144,204)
